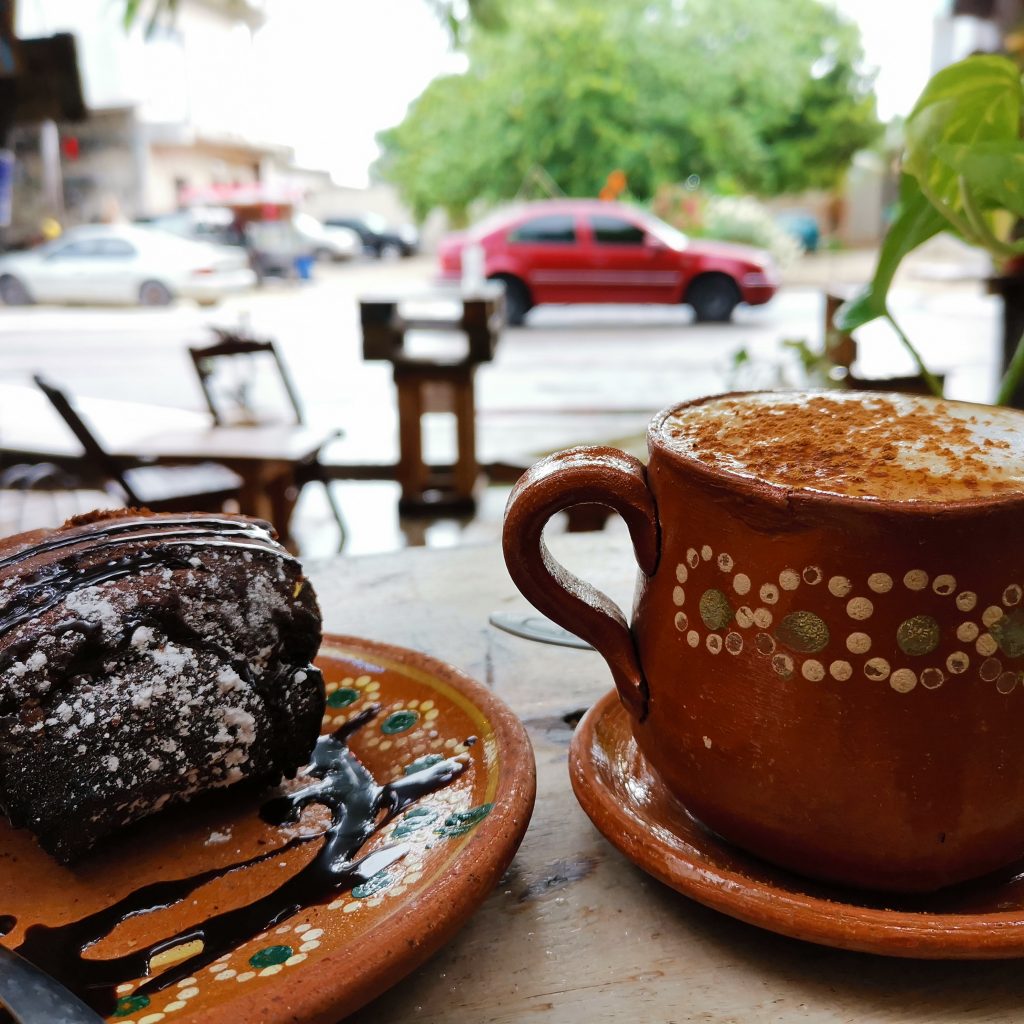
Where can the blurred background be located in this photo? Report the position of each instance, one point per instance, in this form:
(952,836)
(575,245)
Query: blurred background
(359,218)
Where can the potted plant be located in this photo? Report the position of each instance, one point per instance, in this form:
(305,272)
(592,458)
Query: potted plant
(963,173)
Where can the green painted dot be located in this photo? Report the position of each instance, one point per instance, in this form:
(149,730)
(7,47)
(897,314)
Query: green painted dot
(413,821)
(459,823)
(372,885)
(918,635)
(427,761)
(399,721)
(270,955)
(1009,633)
(715,609)
(803,632)
(130,1004)
(342,698)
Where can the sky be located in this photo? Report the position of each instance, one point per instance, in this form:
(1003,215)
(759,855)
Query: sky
(376,57)
(362,61)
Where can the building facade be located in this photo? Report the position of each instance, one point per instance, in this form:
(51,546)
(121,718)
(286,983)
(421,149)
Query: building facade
(170,113)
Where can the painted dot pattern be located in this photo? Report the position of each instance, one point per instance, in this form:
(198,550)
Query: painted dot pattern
(903,680)
(789,579)
(880,582)
(812,670)
(917,652)
(916,579)
(858,643)
(877,668)
(1007,682)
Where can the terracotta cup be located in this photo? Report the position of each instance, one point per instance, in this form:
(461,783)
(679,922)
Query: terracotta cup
(832,681)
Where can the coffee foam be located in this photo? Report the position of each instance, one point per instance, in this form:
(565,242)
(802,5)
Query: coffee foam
(898,447)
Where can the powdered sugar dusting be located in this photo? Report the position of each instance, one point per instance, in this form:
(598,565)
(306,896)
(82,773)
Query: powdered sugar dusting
(158,686)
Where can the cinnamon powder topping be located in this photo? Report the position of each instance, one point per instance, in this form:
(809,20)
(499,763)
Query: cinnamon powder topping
(899,447)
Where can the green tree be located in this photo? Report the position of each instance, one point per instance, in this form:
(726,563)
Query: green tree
(656,88)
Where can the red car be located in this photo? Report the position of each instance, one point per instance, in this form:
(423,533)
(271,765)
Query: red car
(583,250)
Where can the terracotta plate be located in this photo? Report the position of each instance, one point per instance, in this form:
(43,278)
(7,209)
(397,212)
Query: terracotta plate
(627,802)
(332,957)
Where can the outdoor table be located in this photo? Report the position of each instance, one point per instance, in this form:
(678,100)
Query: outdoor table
(575,932)
(267,456)
(437,383)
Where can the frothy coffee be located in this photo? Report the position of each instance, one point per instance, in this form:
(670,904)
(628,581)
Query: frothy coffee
(898,447)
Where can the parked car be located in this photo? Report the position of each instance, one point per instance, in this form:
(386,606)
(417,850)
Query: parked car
(582,250)
(215,224)
(327,241)
(378,238)
(123,264)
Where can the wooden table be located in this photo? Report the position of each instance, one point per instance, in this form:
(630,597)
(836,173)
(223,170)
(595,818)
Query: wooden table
(574,932)
(266,457)
(435,384)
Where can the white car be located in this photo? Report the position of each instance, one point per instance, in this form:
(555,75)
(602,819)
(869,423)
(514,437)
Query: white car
(123,264)
(331,243)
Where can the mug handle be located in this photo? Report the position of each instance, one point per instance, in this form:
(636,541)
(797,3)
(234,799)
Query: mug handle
(600,476)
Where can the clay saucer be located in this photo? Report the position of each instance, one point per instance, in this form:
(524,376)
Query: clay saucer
(983,919)
(322,963)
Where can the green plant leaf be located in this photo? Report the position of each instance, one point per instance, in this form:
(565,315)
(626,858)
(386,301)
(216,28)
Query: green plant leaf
(131,9)
(915,222)
(994,171)
(975,102)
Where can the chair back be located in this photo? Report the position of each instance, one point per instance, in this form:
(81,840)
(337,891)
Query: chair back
(236,347)
(96,456)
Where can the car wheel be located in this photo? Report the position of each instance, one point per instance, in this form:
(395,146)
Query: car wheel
(13,292)
(713,297)
(390,251)
(153,293)
(517,301)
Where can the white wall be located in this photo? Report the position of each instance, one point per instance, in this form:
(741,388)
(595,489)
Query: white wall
(204,71)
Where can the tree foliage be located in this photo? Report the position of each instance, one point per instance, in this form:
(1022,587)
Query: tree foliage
(766,98)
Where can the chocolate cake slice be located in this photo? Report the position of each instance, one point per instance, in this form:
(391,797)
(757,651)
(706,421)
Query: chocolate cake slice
(146,659)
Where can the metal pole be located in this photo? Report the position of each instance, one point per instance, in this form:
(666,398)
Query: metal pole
(53,177)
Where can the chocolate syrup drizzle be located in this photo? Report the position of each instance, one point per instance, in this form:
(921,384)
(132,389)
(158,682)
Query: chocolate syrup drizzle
(45,588)
(359,808)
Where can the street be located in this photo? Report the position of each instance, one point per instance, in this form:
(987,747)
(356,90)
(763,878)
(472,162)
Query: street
(572,375)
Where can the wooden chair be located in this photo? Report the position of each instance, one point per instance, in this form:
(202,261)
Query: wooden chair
(206,487)
(235,345)
(42,495)
(232,345)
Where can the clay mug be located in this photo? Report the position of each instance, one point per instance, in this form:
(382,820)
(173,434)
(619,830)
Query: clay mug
(825,658)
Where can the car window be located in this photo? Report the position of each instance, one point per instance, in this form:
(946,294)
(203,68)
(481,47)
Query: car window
(615,231)
(114,247)
(74,250)
(555,228)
